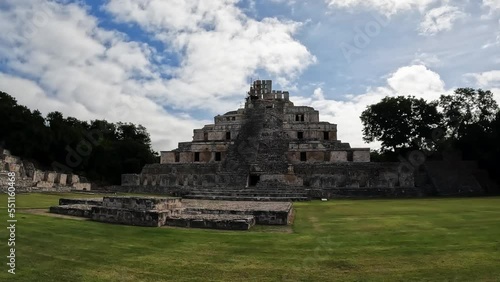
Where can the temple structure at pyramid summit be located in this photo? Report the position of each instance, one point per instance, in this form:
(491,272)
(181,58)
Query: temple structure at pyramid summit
(274,150)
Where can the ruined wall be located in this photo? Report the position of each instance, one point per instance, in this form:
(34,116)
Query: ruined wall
(354,175)
(139,211)
(31,179)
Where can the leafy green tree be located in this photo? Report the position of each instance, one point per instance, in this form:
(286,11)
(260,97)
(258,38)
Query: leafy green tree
(106,150)
(401,123)
(467,107)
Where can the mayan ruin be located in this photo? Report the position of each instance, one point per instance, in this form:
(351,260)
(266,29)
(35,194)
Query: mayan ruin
(272,150)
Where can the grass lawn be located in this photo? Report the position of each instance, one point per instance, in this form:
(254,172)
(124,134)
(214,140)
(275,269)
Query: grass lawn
(353,240)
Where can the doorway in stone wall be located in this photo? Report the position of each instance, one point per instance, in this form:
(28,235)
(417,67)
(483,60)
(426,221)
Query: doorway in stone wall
(253,179)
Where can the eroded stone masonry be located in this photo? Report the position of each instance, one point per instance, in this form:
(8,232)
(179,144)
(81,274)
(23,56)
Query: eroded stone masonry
(270,149)
(273,150)
(170,211)
(31,179)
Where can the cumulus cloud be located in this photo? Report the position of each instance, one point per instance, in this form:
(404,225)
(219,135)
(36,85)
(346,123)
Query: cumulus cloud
(415,80)
(440,19)
(219,45)
(487,79)
(55,56)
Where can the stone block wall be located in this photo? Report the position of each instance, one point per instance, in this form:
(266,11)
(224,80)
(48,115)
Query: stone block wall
(142,203)
(139,211)
(354,175)
(361,155)
(62,179)
(338,156)
(31,179)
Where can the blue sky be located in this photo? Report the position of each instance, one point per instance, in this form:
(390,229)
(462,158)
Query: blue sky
(172,65)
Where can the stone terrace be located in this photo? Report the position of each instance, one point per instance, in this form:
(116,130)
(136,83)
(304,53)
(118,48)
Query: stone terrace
(156,211)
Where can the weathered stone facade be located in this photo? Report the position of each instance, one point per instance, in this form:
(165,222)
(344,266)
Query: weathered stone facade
(268,144)
(31,179)
(159,211)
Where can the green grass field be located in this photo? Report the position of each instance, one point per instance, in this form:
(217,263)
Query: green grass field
(345,240)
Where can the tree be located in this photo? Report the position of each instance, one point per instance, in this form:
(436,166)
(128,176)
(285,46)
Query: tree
(109,149)
(467,107)
(401,122)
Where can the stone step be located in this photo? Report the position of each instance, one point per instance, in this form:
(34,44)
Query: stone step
(236,198)
(287,195)
(250,190)
(212,221)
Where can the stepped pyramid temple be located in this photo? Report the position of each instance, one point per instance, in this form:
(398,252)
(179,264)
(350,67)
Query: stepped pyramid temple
(269,149)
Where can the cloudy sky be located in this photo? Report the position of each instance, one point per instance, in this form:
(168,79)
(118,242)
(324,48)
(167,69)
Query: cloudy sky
(171,65)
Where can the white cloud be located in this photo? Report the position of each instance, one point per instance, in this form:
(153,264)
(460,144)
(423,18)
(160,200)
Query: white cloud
(220,47)
(387,7)
(492,4)
(440,19)
(487,79)
(64,62)
(57,57)
(426,59)
(415,80)
(318,94)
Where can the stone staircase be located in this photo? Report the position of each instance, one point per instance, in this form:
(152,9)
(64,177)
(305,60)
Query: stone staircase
(249,194)
(243,152)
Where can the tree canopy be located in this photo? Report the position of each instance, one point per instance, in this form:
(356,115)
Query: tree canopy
(467,121)
(401,122)
(98,150)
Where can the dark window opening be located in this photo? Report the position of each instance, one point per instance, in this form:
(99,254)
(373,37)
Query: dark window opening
(177,157)
(303,156)
(326,135)
(253,179)
(228,135)
(196,156)
(350,156)
(300,135)
(205,136)
(217,156)
(299,117)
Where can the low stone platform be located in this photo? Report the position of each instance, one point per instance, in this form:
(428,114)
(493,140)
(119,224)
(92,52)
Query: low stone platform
(258,194)
(212,221)
(139,211)
(266,213)
(158,211)
(81,201)
(152,218)
(142,203)
(81,210)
